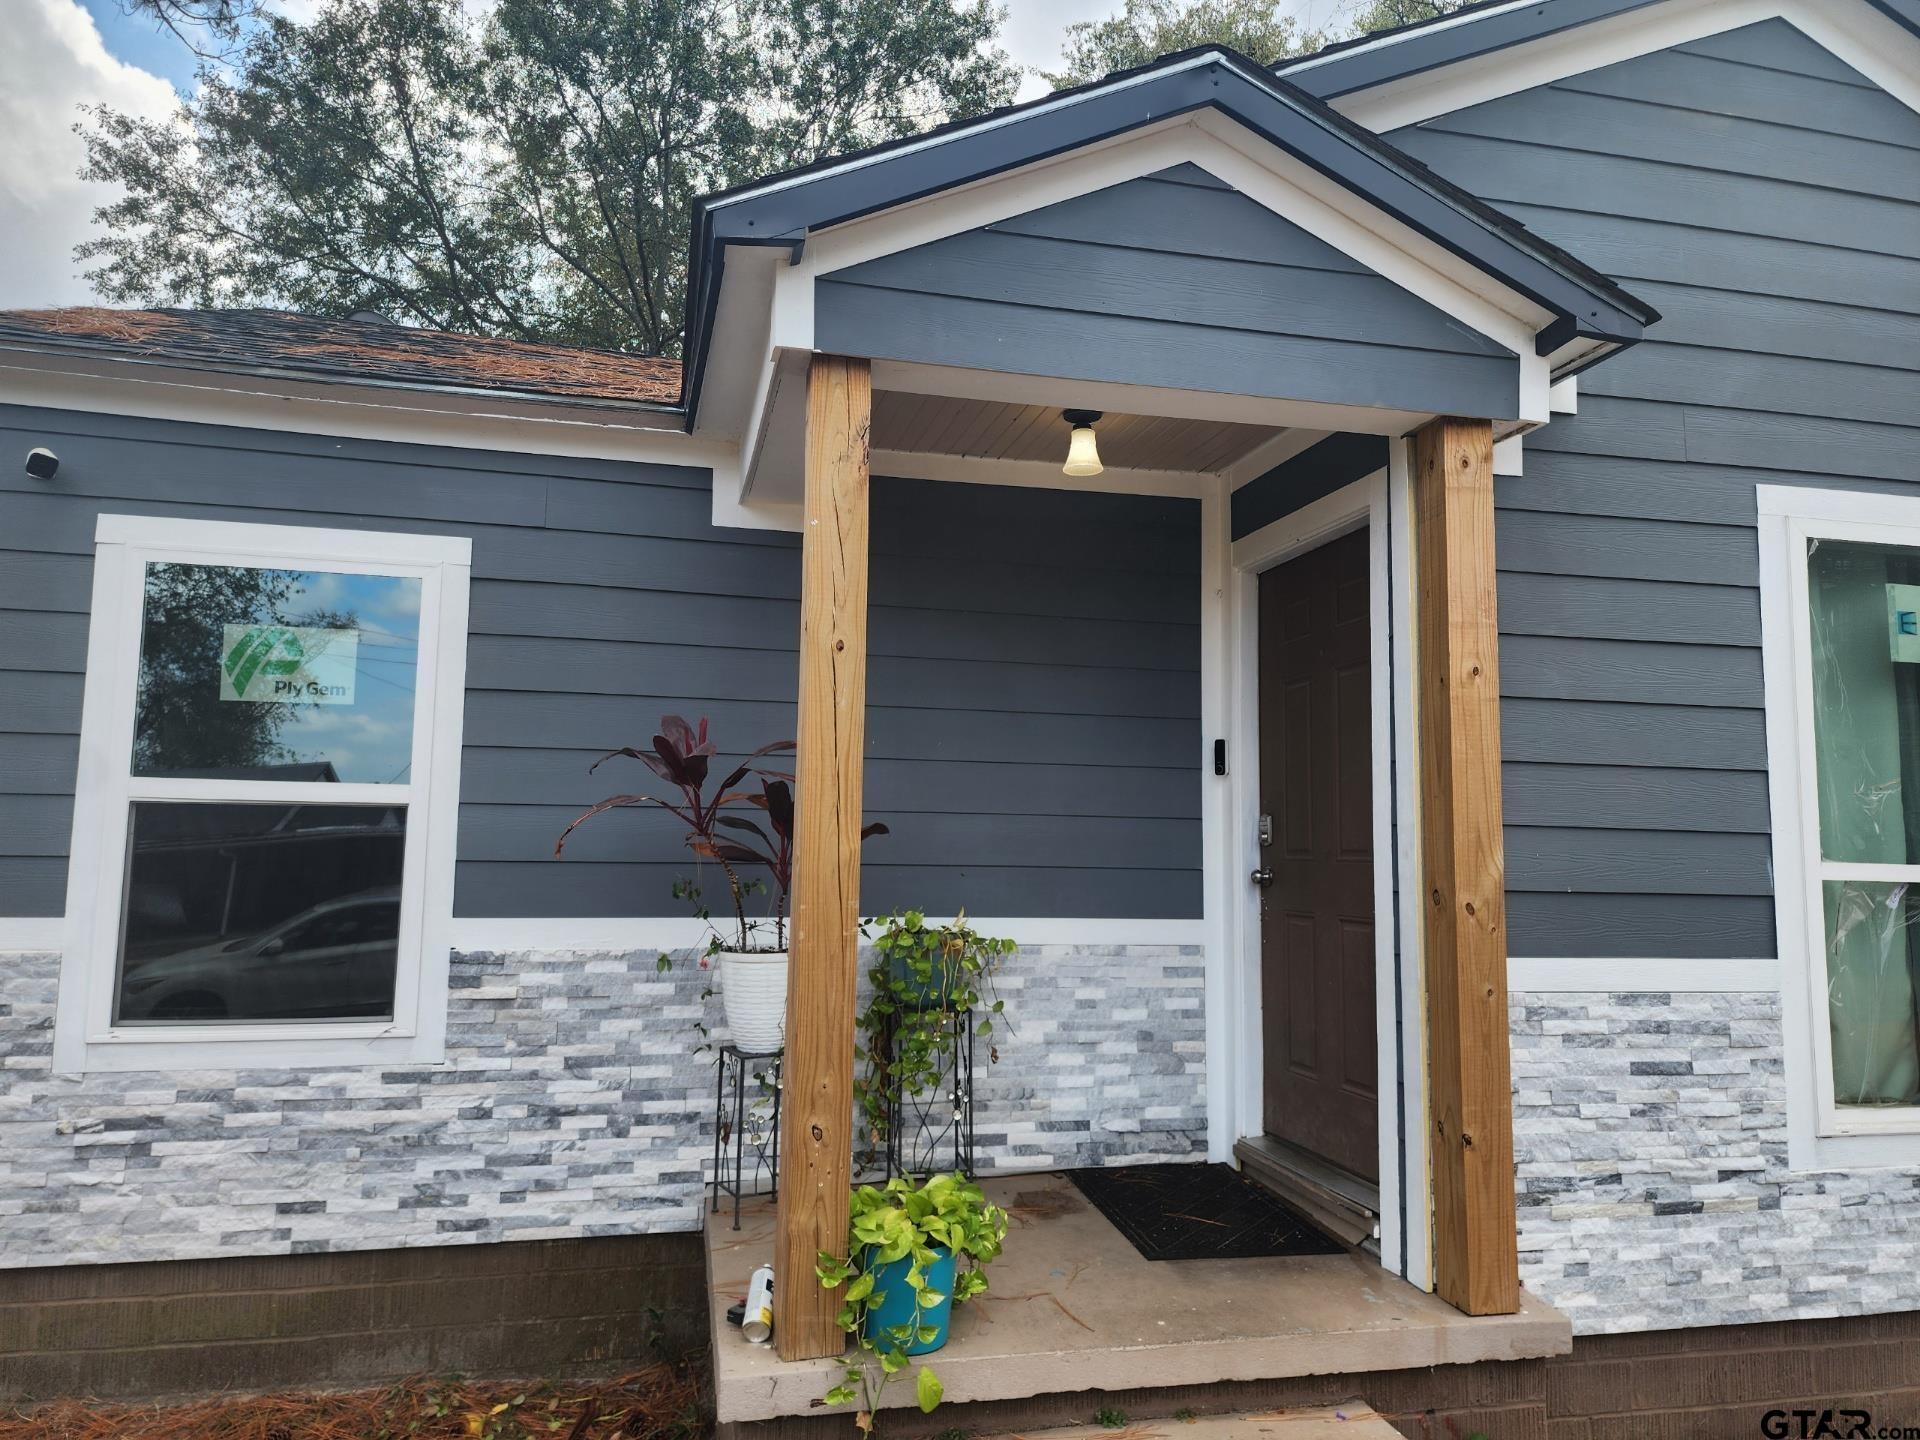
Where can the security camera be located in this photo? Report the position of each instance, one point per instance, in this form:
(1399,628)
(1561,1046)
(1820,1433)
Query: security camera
(42,463)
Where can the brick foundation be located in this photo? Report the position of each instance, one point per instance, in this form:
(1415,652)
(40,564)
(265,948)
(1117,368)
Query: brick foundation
(1713,1383)
(183,1328)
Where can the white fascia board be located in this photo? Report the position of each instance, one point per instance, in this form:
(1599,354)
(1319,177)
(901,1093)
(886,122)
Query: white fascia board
(1506,455)
(1852,31)
(776,437)
(1232,153)
(740,349)
(461,422)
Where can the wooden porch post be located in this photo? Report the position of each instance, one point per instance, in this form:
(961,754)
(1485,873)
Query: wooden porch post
(1476,1247)
(816,1134)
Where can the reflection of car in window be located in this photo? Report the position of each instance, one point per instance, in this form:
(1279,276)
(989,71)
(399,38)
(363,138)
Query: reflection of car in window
(332,962)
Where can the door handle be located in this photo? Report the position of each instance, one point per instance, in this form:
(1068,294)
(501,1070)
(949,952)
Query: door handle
(1263,877)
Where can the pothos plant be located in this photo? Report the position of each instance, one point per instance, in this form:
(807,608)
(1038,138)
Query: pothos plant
(922,973)
(912,1223)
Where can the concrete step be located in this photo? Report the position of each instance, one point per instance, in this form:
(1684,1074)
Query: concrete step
(1338,1422)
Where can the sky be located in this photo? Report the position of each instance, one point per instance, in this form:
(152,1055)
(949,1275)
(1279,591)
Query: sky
(56,55)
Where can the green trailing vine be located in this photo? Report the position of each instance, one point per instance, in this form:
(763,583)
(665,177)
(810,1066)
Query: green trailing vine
(905,1221)
(921,974)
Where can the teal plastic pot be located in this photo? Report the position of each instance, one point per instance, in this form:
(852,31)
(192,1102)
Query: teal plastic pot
(896,1304)
(935,993)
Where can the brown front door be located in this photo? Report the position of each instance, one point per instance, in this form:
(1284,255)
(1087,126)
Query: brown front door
(1316,915)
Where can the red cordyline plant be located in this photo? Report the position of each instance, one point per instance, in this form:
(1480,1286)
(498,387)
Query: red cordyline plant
(680,756)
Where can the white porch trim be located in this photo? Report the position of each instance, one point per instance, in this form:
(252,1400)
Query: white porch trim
(1851,31)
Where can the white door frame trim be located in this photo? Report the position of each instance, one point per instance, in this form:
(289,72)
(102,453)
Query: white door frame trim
(1377,503)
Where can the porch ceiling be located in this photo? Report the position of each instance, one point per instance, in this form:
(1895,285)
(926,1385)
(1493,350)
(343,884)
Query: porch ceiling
(997,430)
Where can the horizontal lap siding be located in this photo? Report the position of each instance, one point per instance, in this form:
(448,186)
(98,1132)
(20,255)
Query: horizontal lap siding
(1169,280)
(1034,721)
(1033,732)
(1767,200)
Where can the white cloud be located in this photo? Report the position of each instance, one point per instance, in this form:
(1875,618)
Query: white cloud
(1036,28)
(52,62)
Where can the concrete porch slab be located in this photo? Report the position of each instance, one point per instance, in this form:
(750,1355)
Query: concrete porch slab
(1074,1307)
(1337,1422)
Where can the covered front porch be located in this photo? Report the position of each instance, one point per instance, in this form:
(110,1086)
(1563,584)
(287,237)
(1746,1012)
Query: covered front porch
(1316,346)
(1077,1319)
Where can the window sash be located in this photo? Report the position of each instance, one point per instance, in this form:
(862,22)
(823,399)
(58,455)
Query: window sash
(1832,1119)
(125,546)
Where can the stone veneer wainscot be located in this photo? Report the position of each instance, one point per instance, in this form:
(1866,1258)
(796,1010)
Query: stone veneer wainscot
(1650,1132)
(572,1103)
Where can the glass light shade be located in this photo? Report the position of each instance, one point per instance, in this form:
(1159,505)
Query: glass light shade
(1083,455)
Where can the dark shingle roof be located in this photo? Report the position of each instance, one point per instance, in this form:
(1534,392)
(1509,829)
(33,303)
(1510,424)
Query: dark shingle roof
(370,350)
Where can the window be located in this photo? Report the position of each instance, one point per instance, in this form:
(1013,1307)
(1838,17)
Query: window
(1840,597)
(263,829)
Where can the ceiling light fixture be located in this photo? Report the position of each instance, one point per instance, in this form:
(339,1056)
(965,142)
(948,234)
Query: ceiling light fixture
(1083,453)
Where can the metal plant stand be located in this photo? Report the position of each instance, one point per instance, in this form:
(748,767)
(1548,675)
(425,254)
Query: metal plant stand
(743,1132)
(923,1130)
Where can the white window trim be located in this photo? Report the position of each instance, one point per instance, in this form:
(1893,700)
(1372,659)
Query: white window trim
(85,1038)
(1820,1135)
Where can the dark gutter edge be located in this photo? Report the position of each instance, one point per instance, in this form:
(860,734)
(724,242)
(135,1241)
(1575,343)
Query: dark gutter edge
(22,346)
(1432,38)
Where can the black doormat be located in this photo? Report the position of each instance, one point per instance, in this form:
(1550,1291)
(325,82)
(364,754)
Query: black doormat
(1199,1212)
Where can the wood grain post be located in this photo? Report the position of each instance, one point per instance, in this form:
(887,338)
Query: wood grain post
(1469,1068)
(816,1120)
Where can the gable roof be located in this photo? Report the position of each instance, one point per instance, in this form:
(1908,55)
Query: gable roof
(1472,31)
(783,209)
(360,351)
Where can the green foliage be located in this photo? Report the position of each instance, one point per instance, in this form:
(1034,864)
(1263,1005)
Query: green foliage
(523,169)
(1147,29)
(902,1220)
(922,973)
(1143,30)
(1389,14)
(1108,1418)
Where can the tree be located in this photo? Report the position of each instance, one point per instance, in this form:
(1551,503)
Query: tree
(206,27)
(1391,14)
(527,174)
(1145,29)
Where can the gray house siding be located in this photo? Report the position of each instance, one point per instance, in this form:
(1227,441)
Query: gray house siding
(1033,706)
(1171,280)
(1766,199)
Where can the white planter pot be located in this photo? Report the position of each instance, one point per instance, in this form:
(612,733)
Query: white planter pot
(753,993)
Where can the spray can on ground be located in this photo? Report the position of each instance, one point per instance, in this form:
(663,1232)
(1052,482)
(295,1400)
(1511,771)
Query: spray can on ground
(757,1324)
